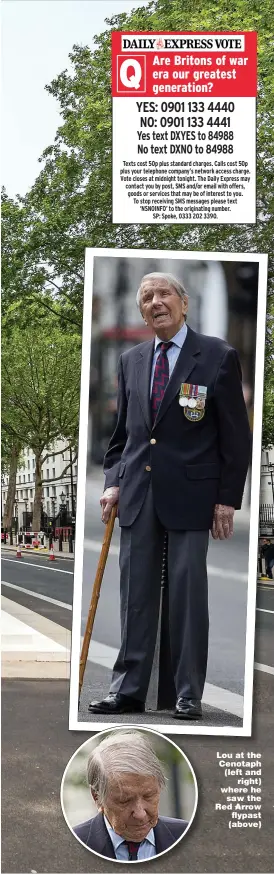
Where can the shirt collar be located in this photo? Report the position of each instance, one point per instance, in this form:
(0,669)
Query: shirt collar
(178,338)
(117,840)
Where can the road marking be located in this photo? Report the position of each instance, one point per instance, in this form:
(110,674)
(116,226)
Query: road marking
(38,595)
(56,570)
(214,696)
(261,610)
(265,668)
(227,575)
(105,655)
(96,546)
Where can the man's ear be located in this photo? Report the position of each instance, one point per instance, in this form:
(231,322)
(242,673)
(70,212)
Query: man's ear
(95,799)
(185,304)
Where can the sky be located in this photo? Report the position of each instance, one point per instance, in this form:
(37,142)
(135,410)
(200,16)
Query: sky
(37,36)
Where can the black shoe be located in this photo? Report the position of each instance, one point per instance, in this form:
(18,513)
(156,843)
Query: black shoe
(116,703)
(188,708)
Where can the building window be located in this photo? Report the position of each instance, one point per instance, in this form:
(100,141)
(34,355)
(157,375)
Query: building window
(67,489)
(28,464)
(54,491)
(33,462)
(53,472)
(53,459)
(47,492)
(28,477)
(47,473)
(19,479)
(24,478)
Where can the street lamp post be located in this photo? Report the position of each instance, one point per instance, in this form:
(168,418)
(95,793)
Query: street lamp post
(270,473)
(71,482)
(53,514)
(16,517)
(61,511)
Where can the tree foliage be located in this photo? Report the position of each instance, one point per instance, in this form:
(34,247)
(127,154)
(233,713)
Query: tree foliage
(40,392)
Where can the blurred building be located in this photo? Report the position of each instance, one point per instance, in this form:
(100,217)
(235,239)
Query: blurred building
(267,494)
(222,302)
(57,495)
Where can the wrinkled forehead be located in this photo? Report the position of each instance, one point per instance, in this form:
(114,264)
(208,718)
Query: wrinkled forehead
(127,783)
(151,285)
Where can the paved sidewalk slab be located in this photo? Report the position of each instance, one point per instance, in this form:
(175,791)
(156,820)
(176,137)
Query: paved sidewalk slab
(29,639)
(36,747)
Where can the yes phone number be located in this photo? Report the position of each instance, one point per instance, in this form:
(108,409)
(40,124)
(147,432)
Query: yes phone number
(196,106)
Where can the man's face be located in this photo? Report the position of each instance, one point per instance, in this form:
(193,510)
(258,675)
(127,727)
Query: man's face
(162,307)
(131,805)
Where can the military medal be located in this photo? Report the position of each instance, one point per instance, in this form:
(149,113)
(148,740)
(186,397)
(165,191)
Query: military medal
(184,394)
(192,398)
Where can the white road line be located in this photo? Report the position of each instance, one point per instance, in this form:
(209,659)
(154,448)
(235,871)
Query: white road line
(96,546)
(261,610)
(43,567)
(104,655)
(214,696)
(38,595)
(265,668)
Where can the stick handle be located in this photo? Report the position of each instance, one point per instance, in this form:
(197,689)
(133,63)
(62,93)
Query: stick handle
(96,594)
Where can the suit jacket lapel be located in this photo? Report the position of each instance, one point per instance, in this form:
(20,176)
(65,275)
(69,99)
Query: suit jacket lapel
(163,837)
(98,838)
(143,377)
(185,363)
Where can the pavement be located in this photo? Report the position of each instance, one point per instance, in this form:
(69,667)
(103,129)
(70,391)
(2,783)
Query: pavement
(36,747)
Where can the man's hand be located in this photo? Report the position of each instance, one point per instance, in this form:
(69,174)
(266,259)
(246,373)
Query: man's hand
(107,501)
(222,522)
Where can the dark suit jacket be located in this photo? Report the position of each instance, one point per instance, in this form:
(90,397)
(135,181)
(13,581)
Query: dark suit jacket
(194,464)
(95,835)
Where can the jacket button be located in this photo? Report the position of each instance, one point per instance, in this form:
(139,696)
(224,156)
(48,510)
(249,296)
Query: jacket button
(153,441)
(148,467)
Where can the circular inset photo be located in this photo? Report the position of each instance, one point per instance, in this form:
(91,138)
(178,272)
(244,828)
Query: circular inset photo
(129,794)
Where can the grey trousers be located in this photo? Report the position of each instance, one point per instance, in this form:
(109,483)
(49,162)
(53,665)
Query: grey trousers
(141,552)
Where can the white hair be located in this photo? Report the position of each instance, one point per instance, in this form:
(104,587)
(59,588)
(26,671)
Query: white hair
(168,278)
(127,751)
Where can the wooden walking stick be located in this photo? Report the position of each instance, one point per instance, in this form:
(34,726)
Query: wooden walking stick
(96,594)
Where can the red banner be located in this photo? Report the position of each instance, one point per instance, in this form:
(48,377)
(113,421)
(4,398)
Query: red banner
(158,64)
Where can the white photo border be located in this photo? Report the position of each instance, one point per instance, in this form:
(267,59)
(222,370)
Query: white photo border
(175,728)
(133,727)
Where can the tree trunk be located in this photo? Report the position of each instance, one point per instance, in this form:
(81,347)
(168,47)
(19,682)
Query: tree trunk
(8,513)
(36,519)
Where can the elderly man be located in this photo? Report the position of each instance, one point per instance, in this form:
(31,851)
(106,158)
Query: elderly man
(176,463)
(126,778)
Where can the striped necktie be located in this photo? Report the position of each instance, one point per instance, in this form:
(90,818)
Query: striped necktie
(133,848)
(160,379)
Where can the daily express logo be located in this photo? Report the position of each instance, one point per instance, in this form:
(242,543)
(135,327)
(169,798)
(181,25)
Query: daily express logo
(224,42)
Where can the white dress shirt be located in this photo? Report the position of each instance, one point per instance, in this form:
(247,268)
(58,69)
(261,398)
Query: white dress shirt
(172,353)
(146,850)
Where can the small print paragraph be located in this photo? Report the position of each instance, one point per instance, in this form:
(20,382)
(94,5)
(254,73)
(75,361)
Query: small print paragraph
(241,794)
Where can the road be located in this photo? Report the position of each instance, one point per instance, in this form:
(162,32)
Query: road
(47,588)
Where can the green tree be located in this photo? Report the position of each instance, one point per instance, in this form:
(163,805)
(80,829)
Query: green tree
(40,393)
(29,290)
